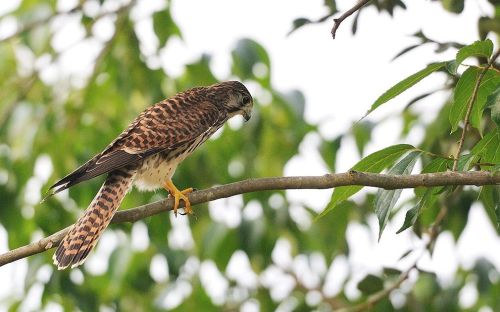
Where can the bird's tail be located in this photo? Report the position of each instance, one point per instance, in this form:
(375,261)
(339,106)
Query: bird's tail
(83,236)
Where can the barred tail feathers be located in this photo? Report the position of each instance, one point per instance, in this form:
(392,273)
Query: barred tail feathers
(83,236)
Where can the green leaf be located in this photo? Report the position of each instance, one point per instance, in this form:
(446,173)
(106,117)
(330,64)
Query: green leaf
(436,165)
(392,271)
(412,214)
(463,91)
(478,48)
(299,22)
(405,84)
(362,134)
(328,233)
(410,118)
(164,26)
(331,5)
(466,161)
(451,67)
(251,61)
(455,6)
(493,103)
(375,162)
(488,148)
(328,150)
(489,84)
(406,50)
(490,196)
(495,168)
(370,284)
(405,254)
(386,199)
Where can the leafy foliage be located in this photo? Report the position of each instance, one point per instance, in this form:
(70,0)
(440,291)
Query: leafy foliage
(493,103)
(375,162)
(386,199)
(478,48)
(405,84)
(463,96)
(371,284)
(486,149)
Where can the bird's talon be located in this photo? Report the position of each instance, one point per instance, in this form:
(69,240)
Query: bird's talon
(188,214)
(187,206)
(179,195)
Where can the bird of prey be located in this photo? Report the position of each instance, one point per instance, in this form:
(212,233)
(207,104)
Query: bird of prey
(146,155)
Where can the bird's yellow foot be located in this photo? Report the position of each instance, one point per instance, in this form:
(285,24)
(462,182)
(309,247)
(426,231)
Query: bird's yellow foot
(178,195)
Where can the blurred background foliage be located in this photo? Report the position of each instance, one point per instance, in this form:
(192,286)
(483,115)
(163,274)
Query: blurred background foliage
(245,252)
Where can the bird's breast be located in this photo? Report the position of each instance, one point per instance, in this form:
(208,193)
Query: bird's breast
(154,172)
(157,169)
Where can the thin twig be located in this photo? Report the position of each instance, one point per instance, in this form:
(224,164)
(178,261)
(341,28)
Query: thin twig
(26,86)
(121,18)
(375,298)
(341,18)
(45,20)
(470,104)
(42,21)
(278,183)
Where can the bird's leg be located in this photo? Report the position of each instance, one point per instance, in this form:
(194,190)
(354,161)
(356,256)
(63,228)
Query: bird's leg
(178,195)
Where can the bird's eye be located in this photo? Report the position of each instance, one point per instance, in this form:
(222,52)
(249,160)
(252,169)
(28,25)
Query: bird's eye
(245,99)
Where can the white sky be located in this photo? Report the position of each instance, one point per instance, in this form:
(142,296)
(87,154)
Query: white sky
(340,79)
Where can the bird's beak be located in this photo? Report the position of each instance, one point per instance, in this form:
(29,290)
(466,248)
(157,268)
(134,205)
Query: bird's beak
(246,115)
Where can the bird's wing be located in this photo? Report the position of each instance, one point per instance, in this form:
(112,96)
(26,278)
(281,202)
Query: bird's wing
(163,126)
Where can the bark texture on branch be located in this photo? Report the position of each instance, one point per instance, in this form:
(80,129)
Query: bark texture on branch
(268,184)
(340,19)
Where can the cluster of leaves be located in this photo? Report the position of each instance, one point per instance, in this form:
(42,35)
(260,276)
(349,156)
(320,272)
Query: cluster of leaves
(477,89)
(485,24)
(436,152)
(331,6)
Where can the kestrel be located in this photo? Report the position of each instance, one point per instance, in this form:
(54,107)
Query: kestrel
(146,155)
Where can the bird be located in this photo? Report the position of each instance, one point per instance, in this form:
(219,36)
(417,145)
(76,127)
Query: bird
(145,155)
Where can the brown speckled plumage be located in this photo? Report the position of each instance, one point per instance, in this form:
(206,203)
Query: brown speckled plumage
(146,155)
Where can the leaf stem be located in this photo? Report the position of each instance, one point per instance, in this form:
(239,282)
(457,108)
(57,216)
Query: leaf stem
(470,104)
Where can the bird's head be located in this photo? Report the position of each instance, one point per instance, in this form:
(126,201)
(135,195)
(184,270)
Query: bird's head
(238,99)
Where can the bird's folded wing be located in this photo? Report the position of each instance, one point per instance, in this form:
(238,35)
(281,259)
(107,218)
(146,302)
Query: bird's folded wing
(155,130)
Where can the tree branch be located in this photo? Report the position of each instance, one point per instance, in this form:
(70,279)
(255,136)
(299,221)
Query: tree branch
(470,104)
(39,22)
(339,20)
(47,19)
(378,296)
(24,86)
(277,183)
